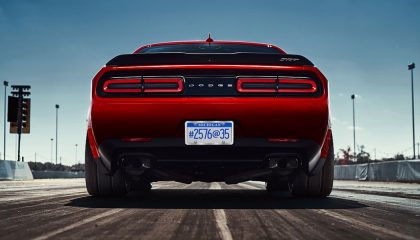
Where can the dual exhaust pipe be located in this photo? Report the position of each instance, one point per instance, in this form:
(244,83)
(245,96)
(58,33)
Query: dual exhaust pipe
(276,166)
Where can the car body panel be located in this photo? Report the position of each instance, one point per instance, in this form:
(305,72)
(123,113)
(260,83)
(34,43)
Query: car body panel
(291,122)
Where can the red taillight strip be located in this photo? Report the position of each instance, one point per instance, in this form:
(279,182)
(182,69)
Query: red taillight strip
(241,81)
(279,87)
(122,81)
(178,81)
(297,82)
(138,85)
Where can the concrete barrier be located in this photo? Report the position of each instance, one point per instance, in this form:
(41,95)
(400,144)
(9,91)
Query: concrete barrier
(403,170)
(12,170)
(57,174)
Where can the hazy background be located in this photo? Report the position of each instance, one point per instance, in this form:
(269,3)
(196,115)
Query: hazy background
(363,47)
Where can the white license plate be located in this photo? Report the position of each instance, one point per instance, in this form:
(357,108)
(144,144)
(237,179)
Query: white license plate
(209,133)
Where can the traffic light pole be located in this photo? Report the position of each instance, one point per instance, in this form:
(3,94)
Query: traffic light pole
(5,83)
(19,123)
(20,92)
(19,120)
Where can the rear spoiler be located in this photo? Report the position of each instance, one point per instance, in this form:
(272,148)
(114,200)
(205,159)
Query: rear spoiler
(272,59)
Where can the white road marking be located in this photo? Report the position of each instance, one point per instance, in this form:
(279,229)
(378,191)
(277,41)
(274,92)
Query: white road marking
(215,185)
(412,204)
(77,224)
(365,225)
(220,216)
(258,182)
(249,186)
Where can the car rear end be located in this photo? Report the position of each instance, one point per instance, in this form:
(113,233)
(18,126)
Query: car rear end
(232,117)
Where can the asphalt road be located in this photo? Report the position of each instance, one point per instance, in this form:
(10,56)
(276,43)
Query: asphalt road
(61,209)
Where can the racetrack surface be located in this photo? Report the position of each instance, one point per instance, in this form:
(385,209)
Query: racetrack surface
(62,209)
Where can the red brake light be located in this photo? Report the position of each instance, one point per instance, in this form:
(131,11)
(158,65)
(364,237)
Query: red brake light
(296,86)
(275,85)
(144,85)
(126,85)
(256,85)
(163,85)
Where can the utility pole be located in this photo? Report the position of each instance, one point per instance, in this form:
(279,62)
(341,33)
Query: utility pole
(411,67)
(5,83)
(418,151)
(75,155)
(354,128)
(52,139)
(56,132)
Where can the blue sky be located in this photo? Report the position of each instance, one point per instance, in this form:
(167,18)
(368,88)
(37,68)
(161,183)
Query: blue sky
(362,47)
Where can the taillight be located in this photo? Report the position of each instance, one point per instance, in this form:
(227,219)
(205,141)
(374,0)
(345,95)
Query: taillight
(296,86)
(163,85)
(275,85)
(144,85)
(126,85)
(256,85)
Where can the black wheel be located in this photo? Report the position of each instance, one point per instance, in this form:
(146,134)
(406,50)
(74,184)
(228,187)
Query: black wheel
(319,185)
(97,182)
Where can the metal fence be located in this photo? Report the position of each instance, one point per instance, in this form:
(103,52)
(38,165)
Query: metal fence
(404,170)
(57,174)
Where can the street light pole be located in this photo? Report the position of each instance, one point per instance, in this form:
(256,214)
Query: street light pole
(354,128)
(56,132)
(411,67)
(5,83)
(52,139)
(75,154)
(418,151)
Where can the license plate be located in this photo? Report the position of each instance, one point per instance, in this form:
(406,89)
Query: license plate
(209,133)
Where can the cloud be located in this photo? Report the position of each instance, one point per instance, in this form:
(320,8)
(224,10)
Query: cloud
(336,120)
(350,127)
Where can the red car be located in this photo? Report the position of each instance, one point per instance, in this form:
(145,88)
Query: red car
(209,111)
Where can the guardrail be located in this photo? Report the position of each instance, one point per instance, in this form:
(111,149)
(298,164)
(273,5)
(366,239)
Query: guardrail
(57,174)
(390,171)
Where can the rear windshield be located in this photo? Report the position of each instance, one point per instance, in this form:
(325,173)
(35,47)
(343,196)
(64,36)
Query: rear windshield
(209,48)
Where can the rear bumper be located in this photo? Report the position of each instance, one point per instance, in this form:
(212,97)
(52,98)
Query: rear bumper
(246,154)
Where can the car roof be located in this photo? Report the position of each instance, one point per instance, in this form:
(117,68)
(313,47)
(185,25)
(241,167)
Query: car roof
(207,42)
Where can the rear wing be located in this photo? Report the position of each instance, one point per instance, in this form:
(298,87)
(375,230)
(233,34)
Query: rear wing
(272,59)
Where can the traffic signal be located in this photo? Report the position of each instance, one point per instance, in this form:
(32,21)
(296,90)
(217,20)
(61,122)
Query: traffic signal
(19,123)
(26,115)
(12,109)
(19,109)
(21,90)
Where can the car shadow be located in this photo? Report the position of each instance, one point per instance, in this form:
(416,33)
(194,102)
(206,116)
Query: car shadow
(213,199)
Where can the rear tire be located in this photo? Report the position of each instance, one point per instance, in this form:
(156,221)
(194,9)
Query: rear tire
(98,183)
(319,185)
